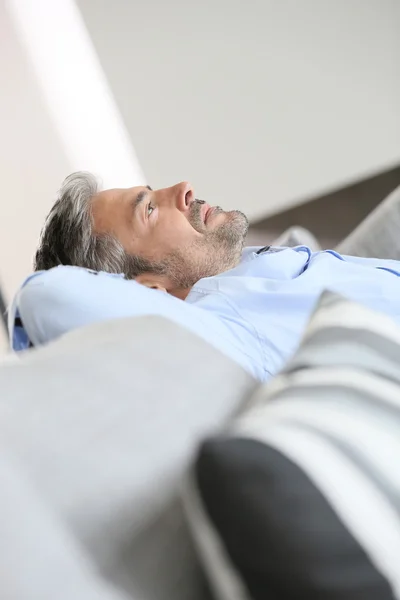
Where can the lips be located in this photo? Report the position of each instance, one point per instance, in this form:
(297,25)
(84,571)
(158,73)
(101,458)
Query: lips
(203,211)
(208,212)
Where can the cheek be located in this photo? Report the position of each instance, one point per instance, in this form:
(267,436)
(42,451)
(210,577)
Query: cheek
(169,234)
(173,234)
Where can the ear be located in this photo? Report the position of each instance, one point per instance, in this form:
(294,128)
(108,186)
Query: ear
(151,280)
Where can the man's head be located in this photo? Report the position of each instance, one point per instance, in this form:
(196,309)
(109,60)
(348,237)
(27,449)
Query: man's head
(144,233)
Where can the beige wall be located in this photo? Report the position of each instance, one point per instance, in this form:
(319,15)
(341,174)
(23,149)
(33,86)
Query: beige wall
(261,104)
(32,161)
(58,116)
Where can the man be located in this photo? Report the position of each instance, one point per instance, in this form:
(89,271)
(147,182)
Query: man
(189,259)
(141,232)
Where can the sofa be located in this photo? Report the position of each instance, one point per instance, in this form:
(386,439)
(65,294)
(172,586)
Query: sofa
(102,435)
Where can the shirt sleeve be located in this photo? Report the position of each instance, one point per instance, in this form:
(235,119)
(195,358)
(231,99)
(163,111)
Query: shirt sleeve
(52,303)
(65,298)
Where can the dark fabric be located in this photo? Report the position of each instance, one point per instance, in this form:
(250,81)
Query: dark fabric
(281,534)
(264,249)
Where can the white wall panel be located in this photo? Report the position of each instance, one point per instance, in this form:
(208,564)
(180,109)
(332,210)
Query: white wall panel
(260,103)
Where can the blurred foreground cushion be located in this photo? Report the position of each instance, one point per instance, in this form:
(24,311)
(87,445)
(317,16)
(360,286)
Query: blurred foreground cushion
(301,497)
(39,558)
(104,422)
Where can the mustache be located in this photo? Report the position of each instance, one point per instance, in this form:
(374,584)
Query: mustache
(198,202)
(195,208)
(195,214)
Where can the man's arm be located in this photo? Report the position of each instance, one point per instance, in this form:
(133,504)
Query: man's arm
(53,302)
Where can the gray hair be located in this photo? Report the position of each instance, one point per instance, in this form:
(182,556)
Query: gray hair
(68,238)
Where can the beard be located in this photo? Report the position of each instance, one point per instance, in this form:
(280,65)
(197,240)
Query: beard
(219,249)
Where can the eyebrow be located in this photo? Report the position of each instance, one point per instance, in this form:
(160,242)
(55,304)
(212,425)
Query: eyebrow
(140,197)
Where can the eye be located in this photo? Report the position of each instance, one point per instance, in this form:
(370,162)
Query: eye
(150,209)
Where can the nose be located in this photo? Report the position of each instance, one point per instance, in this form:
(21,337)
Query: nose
(184,195)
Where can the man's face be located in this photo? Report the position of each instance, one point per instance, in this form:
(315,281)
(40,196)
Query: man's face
(186,237)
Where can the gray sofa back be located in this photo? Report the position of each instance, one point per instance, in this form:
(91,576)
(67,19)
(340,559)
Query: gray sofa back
(104,422)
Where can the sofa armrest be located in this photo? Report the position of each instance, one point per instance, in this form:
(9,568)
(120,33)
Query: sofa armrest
(378,236)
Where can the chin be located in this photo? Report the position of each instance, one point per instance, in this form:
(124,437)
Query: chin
(239,219)
(217,218)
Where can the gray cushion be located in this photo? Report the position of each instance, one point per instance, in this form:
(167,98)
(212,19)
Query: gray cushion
(39,557)
(301,497)
(104,422)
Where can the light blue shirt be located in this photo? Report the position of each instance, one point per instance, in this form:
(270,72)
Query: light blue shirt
(254,313)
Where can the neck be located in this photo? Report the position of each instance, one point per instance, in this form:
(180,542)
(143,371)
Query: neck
(181,293)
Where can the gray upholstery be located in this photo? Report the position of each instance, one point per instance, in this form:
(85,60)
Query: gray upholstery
(103,423)
(378,236)
(39,558)
(298,236)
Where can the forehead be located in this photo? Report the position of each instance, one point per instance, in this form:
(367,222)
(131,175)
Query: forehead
(111,208)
